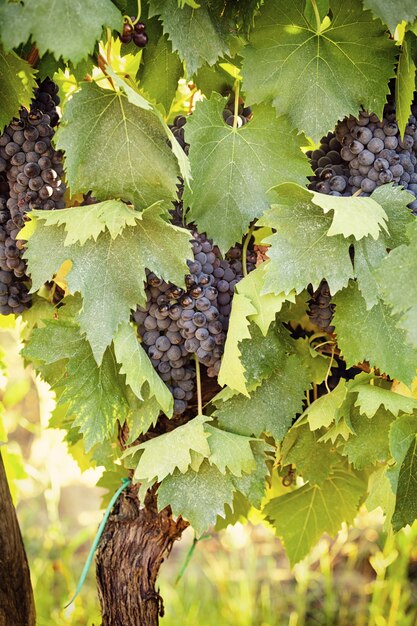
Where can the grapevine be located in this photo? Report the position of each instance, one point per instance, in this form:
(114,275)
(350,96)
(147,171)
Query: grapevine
(210,250)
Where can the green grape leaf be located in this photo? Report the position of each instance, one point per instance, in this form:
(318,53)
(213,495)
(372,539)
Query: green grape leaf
(401,294)
(209,79)
(368,256)
(230,451)
(297,66)
(199,496)
(144,413)
(326,409)
(381,495)
(369,443)
(372,335)
(17,85)
(95,395)
(232,372)
(300,251)
(253,485)
(273,347)
(137,367)
(84,222)
(394,200)
(97,125)
(401,435)
(372,397)
(360,217)
(392,12)
(405,83)
(406,501)
(223,199)
(69,28)
(110,273)
(195,34)
(161,72)
(161,455)
(313,460)
(271,407)
(302,516)
(266,305)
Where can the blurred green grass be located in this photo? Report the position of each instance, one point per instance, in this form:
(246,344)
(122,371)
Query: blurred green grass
(239,577)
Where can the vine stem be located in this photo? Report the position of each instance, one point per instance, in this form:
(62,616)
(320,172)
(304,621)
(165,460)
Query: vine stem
(329,368)
(128,19)
(245,249)
(317,14)
(236,107)
(198,379)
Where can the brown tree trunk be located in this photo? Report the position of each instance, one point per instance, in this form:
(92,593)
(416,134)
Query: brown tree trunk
(133,546)
(17,607)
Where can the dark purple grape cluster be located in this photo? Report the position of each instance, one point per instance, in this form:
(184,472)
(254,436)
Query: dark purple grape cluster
(321,308)
(46,99)
(177,128)
(178,323)
(31,172)
(243,117)
(365,153)
(135,31)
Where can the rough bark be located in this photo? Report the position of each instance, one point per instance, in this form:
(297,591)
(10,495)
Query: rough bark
(17,607)
(133,546)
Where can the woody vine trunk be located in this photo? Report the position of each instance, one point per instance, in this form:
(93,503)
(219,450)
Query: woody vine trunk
(17,605)
(134,544)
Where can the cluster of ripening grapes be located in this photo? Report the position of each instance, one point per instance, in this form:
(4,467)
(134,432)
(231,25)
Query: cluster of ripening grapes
(31,174)
(134,31)
(362,154)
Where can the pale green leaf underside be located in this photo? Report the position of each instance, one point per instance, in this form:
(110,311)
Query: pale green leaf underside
(360,217)
(137,367)
(110,273)
(301,517)
(392,12)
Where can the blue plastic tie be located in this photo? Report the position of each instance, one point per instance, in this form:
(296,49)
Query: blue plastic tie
(126,483)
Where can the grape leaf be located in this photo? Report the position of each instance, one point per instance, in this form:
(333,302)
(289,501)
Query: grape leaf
(144,413)
(195,33)
(401,294)
(262,355)
(163,454)
(83,222)
(271,407)
(406,501)
(17,84)
(392,12)
(401,435)
(369,443)
(313,460)
(95,395)
(372,335)
(199,496)
(110,273)
(381,495)
(353,215)
(233,168)
(405,83)
(371,397)
(394,200)
(301,517)
(99,125)
(253,485)
(267,305)
(230,451)
(326,409)
(298,67)
(368,256)
(161,72)
(300,251)
(232,372)
(138,368)
(69,28)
